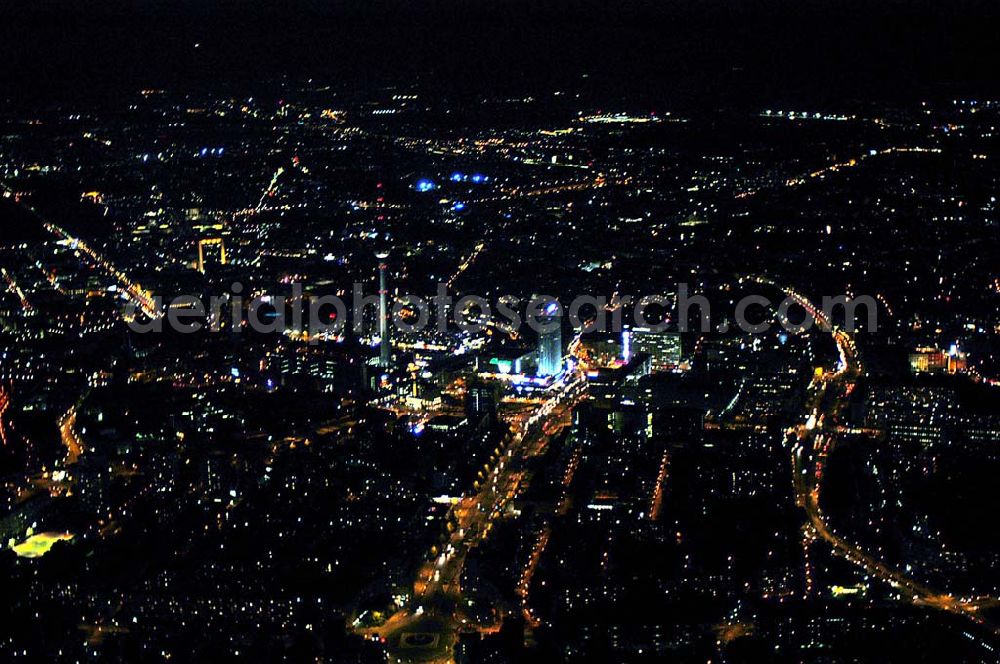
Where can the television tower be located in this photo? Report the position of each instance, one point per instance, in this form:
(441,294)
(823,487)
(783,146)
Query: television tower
(385,346)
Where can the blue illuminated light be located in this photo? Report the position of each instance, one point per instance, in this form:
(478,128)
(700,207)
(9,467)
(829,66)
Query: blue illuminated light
(458,205)
(478,177)
(457,177)
(425,185)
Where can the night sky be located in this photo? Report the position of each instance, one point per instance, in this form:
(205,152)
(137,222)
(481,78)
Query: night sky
(712,52)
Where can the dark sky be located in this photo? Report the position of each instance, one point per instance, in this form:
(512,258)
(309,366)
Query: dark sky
(706,50)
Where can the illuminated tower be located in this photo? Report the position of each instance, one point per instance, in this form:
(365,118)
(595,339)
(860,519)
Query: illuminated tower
(385,347)
(550,342)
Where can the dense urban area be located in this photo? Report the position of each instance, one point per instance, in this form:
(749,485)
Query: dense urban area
(252,487)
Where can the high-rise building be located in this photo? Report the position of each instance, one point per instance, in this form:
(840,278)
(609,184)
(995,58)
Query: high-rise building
(550,342)
(306,364)
(480,400)
(663,347)
(385,344)
(957,360)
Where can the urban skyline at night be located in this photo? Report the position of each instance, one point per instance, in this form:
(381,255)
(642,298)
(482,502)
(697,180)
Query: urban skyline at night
(500,333)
